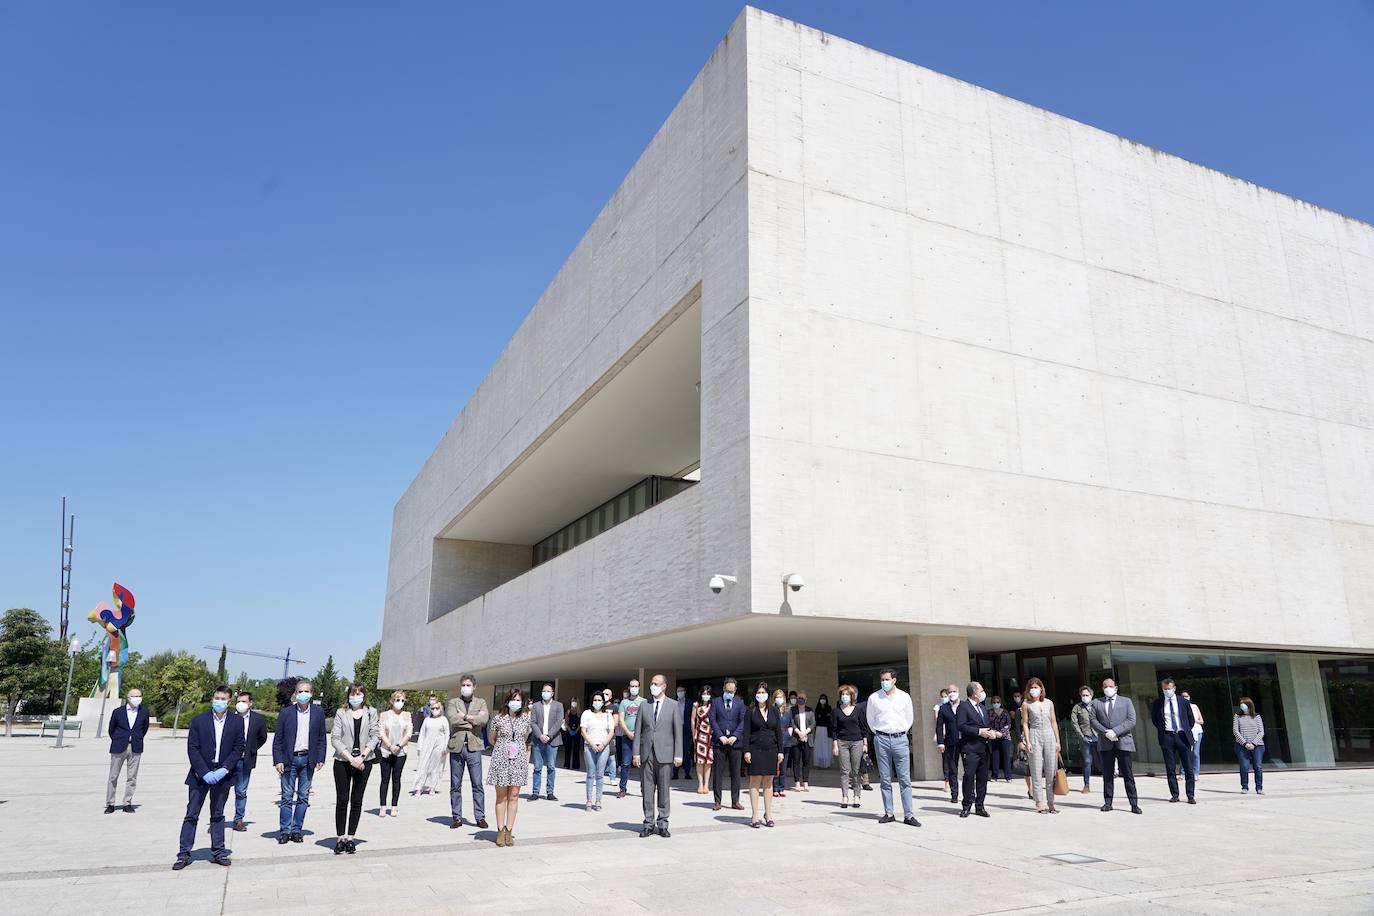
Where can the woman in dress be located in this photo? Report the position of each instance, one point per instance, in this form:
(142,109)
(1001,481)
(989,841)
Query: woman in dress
(1247,727)
(394,729)
(431,754)
(850,728)
(354,738)
(701,741)
(763,739)
(821,749)
(510,762)
(1040,741)
(597,728)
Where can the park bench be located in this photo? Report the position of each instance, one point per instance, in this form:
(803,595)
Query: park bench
(56,725)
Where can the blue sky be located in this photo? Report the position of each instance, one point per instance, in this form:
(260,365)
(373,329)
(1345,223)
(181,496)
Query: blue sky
(255,257)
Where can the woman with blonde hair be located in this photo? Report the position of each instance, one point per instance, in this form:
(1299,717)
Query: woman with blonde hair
(393,730)
(431,752)
(1040,741)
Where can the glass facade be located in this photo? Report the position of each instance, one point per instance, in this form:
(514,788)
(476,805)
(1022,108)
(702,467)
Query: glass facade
(620,508)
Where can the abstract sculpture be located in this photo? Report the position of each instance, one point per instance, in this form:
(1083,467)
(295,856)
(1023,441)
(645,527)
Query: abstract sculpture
(114,620)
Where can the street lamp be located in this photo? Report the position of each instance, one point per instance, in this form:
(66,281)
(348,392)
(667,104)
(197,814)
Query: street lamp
(72,648)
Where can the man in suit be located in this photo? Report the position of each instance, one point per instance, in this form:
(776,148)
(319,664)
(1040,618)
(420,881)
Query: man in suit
(298,752)
(546,720)
(657,749)
(214,745)
(1113,718)
(467,715)
(1173,720)
(128,725)
(254,737)
(975,748)
(947,738)
(727,726)
(684,710)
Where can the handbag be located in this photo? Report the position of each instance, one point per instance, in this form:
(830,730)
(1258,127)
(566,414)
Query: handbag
(866,763)
(1061,778)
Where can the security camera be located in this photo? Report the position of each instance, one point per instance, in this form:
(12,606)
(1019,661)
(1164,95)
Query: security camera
(793,581)
(717,583)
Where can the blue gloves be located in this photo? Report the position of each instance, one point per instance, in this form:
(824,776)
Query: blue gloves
(215,776)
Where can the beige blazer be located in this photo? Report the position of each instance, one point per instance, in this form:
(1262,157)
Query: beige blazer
(341,736)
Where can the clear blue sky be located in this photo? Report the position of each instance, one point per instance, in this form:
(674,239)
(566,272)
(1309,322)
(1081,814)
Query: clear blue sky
(254,257)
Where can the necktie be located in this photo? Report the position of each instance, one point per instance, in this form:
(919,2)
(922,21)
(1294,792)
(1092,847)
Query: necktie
(727,704)
(656,702)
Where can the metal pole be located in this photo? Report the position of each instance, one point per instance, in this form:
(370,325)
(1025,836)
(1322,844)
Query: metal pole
(286,666)
(71,664)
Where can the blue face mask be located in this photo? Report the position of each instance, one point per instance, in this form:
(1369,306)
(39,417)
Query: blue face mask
(219,705)
(515,705)
(547,695)
(355,701)
(729,695)
(303,698)
(777,701)
(887,686)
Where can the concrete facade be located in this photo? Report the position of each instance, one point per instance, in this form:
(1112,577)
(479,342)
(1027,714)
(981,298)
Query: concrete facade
(987,377)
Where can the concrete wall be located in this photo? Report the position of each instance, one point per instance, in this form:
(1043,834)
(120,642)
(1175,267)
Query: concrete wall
(678,219)
(1011,370)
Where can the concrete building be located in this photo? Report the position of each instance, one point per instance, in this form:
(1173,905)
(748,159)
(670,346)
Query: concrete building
(1011,394)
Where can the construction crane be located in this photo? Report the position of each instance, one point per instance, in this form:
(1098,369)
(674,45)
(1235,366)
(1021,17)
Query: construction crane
(286,660)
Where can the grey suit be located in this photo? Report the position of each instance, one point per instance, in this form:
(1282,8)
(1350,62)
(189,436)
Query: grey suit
(657,743)
(1116,715)
(556,715)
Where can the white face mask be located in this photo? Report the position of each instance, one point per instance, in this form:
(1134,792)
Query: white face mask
(1085,697)
(656,690)
(1109,691)
(978,698)
(398,705)
(466,691)
(705,698)
(844,699)
(634,690)
(134,701)
(761,697)
(954,696)
(241,706)
(1035,693)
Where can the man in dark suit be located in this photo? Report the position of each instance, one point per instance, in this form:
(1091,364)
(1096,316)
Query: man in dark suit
(975,748)
(214,744)
(128,725)
(727,727)
(947,741)
(1173,720)
(254,737)
(657,749)
(298,749)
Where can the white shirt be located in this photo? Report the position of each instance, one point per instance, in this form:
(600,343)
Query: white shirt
(1171,714)
(133,716)
(245,732)
(219,732)
(548,708)
(302,730)
(598,726)
(890,713)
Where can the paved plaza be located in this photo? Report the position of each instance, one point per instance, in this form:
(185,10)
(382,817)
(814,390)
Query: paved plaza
(1305,847)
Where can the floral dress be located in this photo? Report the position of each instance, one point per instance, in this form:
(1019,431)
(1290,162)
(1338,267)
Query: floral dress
(510,752)
(701,736)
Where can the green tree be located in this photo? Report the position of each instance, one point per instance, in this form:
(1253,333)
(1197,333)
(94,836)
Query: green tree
(31,662)
(329,687)
(365,673)
(184,678)
(222,671)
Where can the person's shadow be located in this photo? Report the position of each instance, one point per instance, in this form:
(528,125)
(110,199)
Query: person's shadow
(328,843)
(444,819)
(625,825)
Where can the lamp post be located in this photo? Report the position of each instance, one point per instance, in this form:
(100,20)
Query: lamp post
(72,648)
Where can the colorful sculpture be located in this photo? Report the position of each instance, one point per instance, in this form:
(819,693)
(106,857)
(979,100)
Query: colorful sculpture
(114,621)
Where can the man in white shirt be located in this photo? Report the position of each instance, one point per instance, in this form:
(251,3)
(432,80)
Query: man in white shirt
(1173,720)
(213,746)
(546,720)
(890,717)
(128,725)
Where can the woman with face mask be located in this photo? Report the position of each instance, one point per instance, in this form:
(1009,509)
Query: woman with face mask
(572,736)
(354,738)
(510,761)
(850,730)
(821,746)
(702,752)
(597,727)
(763,751)
(431,752)
(394,728)
(789,739)
(1000,720)
(1040,741)
(1247,727)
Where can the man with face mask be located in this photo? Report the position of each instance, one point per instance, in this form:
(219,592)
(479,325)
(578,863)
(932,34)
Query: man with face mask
(298,752)
(467,714)
(128,725)
(684,709)
(975,737)
(657,748)
(890,717)
(254,737)
(1173,720)
(947,739)
(213,746)
(1080,723)
(1113,719)
(546,717)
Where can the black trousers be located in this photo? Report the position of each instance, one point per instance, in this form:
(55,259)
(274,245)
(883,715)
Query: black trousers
(727,759)
(391,775)
(349,786)
(572,751)
(1177,751)
(950,760)
(801,762)
(977,761)
(1001,758)
(1107,758)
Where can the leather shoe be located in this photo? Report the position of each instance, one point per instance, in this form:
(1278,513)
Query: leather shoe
(482,823)
(646,831)
(238,825)
(911,822)
(663,832)
(737,806)
(297,838)
(886,819)
(1174,800)
(963,812)
(551,797)
(222,861)
(982,812)
(179,864)
(534,796)
(1106,807)
(283,839)
(1135,809)
(455,823)
(1192,801)
(109,809)
(716,806)
(128,809)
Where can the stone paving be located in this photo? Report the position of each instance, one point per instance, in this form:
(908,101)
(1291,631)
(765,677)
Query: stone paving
(1305,847)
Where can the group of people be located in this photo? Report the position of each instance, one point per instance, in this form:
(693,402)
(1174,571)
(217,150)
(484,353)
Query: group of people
(725,738)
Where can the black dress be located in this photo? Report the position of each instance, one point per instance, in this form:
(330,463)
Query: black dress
(763,741)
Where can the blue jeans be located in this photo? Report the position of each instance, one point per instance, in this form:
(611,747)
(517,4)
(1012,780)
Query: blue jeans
(1197,756)
(471,762)
(595,762)
(1251,760)
(295,793)
(1089,751)
(545,757)
(894,754)
(241,776)
(625,749)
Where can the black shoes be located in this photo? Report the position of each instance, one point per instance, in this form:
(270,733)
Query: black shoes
(534,796)
(982,812)
(911,821)
(886,819)
(179,864)
(663,832)
(128,809)
(954,799)
(844,804)
(224,861)
(456,823)
(340,846)
(1174,800)
(297,838)
(1106,807)
(351,847)
(238,826)
(736,806)
(109,809)
(1192,801)
(482,823)
(283,839)
(867,787)
(646,831)
(551,797)
(963,812)
(1135,809)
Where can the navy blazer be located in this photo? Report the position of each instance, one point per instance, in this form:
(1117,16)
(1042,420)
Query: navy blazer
(200,746)
(284,738)
(947,725)
(121,735)
(257,737)
(968,722)
(726,723)
(1185,717)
